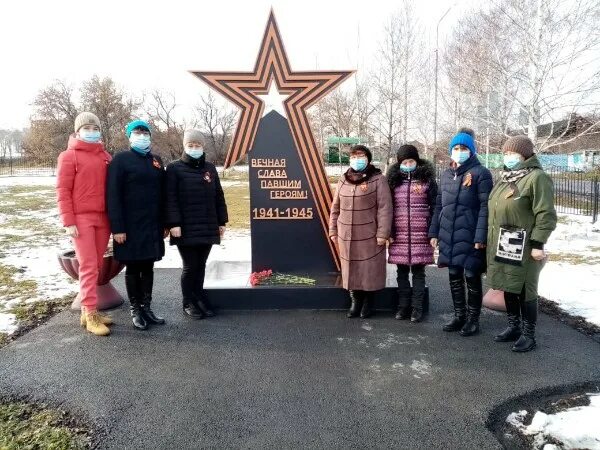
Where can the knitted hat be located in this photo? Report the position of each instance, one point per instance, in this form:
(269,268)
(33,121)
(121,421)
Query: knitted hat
(86,118)
(138,123)
(463,139)
(407,151)
(362,148)
(519,144)
(192,136)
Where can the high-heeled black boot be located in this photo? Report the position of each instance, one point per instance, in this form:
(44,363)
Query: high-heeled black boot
(134,293)
(147,282)
(355,304)
(529,316)
(474,299)
(457,289)
(368,308)
(513,312)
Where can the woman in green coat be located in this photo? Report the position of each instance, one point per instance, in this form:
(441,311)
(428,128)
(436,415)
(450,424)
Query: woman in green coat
(521,219)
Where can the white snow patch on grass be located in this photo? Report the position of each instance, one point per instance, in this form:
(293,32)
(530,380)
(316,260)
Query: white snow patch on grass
(8,323)
(573,428)
(571,277)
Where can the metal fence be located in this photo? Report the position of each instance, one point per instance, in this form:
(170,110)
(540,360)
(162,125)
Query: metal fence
(574,192)
(21,166)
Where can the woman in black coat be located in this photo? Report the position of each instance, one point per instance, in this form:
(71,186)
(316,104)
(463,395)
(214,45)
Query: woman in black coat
(135,201)
(196,215)
(459,225)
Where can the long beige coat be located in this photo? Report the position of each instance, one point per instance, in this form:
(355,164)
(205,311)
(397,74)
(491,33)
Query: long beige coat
(360,214)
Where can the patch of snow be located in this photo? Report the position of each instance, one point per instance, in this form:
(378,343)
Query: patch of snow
(574,286)
(28,181)
(421,368)
(366,326)
(8,323)
(572,428)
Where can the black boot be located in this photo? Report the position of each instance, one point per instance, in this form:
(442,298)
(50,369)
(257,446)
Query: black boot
(192,310)
(418,294)
(529,314)
(474,289)
(204,305)
(134,292)
(147,281)
(355,304)
(404,293)
(367,309)
(513,312)
(457,289)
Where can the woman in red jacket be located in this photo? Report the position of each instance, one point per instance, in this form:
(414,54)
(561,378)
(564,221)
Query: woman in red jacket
(81,190)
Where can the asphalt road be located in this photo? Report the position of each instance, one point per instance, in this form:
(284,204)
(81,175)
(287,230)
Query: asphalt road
(289,379)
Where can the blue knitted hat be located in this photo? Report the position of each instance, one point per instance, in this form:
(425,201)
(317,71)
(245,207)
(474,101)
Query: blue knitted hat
(463,139)
(136,124)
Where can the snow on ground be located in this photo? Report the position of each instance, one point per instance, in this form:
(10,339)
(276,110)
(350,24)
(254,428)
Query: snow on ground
(573,428)
(572,276)
(28,181)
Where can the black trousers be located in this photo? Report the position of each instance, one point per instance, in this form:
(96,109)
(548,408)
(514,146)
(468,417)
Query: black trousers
(418,284)
(138,269)
(194,267)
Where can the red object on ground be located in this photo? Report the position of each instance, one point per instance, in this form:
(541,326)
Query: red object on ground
(494,299)
(108,296)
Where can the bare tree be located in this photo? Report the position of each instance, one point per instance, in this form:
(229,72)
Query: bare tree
(167,138)
(216,121)
(112,106)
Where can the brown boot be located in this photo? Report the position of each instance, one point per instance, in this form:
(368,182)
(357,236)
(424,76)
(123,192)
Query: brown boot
(94,325)
(104,318)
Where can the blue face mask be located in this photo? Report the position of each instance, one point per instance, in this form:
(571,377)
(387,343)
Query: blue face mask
(512,160)
(408,168)
(460,156)
(90,136)
(358,164)
(194,152)
(140,142)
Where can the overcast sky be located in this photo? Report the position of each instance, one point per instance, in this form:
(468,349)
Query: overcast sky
(152,44)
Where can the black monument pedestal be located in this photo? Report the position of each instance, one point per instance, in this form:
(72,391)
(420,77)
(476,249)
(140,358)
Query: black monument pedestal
(227,287)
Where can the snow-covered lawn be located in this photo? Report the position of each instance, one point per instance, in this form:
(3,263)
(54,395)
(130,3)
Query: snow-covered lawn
(573,428)
(571,277)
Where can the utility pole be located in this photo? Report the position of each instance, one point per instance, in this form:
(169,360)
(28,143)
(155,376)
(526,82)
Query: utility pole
(437,39)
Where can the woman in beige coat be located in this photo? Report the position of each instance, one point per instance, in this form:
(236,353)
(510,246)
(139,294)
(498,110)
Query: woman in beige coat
(360,223)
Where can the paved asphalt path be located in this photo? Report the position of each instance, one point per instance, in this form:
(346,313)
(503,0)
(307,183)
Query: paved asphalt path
(289,379)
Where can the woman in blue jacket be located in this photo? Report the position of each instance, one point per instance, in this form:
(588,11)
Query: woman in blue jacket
(459,226)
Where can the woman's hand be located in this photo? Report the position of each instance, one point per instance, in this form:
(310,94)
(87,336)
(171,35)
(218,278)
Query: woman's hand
(165,233)
(176,232)
(433,242)
(381,241)
(72,231)
(538,254)
(222,231)
(479,245)
(120,238)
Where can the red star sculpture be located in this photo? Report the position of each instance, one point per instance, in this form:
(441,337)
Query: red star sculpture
(303,89)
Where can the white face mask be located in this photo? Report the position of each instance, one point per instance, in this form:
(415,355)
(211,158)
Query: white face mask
(90,136)
(139,141)
(194,152)
(460,156)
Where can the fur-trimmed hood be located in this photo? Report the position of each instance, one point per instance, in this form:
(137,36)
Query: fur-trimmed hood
(424,172)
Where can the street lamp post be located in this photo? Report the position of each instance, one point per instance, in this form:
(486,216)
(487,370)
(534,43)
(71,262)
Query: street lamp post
(435,113)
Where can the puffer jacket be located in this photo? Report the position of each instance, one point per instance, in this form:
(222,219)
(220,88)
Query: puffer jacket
(81,179)
(460,218)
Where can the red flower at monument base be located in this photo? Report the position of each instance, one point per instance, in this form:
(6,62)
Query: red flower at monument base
(257,277)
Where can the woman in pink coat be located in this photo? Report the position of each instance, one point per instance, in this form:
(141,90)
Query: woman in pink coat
(360,223)
(81,191)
